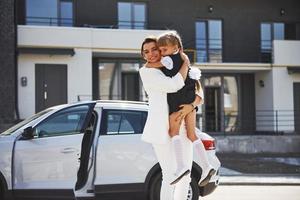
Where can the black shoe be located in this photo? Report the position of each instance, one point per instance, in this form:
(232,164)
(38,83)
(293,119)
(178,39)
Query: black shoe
(207,178)
(180,176)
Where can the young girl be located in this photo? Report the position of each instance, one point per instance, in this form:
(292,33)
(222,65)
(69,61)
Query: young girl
(170,44)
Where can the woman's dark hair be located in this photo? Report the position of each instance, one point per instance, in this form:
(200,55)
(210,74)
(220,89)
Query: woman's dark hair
(147,40)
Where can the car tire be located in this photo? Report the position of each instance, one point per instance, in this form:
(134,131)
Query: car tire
(194,191)
(154,189)
(1,191)
(155,185)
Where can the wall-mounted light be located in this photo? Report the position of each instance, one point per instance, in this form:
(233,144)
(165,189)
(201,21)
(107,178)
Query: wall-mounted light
(24,81)
(261,83)
(282,11)
(210,8)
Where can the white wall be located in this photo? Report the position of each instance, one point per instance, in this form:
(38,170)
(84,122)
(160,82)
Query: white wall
(85,41)
(286,52)
(79,77)
(283,98)
(107,40)
(277,94)
(263,100)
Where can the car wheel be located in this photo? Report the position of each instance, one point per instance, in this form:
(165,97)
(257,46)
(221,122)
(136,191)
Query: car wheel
(155,185)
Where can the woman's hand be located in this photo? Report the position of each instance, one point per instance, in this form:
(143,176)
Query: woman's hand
(185,109)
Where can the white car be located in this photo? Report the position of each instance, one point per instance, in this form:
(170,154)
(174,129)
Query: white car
(86,150)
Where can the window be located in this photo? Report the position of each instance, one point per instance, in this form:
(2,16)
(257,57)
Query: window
(65,122)
(118,79)
(131,15)
(270,32)
(231,103)
(123,122)
(49,12)
(209,41)
(66,13)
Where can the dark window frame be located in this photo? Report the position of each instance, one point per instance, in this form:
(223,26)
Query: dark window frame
(118,73)
(132,18)
(58,19)
(266,53)
(207,40)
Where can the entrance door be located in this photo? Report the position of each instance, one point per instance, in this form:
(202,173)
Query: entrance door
(297,107)
(51,85)
(130,86)
(212,109)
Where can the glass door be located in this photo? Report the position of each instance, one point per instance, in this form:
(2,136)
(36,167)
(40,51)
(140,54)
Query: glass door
(118,80)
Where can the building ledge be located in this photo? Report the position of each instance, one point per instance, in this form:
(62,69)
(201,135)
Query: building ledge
(47,51)
(233,67)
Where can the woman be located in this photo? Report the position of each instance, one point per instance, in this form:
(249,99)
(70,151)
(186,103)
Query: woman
(157,85)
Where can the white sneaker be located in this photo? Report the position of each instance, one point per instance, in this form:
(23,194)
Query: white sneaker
(206,176)
(179,175)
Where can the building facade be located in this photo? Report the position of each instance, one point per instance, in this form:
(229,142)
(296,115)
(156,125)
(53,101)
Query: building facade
(71,50)
(8,69)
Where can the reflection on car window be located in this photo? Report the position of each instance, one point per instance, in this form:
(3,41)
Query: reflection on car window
(26,121)
(66,122)
(123,122)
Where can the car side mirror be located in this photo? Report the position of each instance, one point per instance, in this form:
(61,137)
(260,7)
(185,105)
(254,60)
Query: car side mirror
(28,133)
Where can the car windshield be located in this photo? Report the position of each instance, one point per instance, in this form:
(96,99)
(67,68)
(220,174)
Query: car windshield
(22,123)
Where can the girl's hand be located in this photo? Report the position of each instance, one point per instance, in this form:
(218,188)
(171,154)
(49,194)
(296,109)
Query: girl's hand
(185,109)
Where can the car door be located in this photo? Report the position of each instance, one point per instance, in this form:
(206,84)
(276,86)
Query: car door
(120,159)
(46,166)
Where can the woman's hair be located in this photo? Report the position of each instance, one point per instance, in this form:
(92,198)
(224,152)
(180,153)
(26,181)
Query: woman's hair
(147,40)
(169,38)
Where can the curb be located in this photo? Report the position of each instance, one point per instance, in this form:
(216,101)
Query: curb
(260,180)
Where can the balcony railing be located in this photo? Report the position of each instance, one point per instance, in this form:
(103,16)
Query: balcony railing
(262,122)
(49,21)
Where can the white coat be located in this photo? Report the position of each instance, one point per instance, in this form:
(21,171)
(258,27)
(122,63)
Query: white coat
(157,85)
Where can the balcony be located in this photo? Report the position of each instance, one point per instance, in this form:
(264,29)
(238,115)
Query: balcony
(95,39)
(49,21)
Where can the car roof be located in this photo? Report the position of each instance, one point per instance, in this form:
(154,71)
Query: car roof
(122,104)
(113,104)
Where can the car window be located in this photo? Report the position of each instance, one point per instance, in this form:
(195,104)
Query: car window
(66,122)
(123,122)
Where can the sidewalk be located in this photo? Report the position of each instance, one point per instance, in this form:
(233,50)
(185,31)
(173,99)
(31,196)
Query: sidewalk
(259,169)
(259,179)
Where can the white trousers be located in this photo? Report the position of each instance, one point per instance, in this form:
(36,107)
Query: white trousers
(166,159)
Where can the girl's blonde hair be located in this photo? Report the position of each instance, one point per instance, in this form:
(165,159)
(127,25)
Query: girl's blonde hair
(169,38)
(173,38)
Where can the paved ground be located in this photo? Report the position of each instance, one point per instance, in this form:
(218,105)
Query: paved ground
(252,192)
(267,164)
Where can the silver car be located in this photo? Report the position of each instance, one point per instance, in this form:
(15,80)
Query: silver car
(87,150)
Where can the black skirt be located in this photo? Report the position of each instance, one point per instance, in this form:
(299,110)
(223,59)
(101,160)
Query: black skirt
(185,95)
